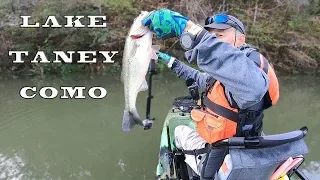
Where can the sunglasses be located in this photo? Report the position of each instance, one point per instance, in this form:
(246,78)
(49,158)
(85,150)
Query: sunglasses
(223,18)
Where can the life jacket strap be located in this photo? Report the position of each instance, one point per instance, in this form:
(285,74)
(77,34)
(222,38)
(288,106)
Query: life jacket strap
(246,119)
(220,110)
(259,60)
(210,82)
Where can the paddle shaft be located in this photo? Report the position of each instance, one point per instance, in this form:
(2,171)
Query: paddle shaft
(300,174)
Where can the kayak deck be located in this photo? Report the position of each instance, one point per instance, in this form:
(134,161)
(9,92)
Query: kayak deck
(174,118)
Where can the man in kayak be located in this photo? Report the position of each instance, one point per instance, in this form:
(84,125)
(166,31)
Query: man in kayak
(239,82)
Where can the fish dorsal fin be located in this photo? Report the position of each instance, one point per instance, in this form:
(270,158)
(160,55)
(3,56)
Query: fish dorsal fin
(144,86)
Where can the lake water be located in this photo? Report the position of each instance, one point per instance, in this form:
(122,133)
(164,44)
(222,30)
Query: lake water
(82,138)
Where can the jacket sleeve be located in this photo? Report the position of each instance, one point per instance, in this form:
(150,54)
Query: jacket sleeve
(184,71)
(241,77)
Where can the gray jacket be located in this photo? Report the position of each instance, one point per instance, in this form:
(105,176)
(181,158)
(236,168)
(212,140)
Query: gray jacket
(227,64)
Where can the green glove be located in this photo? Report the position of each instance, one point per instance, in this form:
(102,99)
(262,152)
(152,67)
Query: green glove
(165,23)
(165,59)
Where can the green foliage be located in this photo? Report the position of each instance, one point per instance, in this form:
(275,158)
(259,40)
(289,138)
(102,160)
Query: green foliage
(66,39)
(70,69)
(114,68)
(120,5)
(301,23)
(99,37)
(315,55)
(4,9)
(267,22)
(161,68)
(314,7)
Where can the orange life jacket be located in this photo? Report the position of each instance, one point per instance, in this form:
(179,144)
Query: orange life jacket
(217,119)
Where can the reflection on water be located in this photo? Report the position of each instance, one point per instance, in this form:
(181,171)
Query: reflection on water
(312,169)
(81,175)
(11,167)
(82,139)
(121,165)
(299,106)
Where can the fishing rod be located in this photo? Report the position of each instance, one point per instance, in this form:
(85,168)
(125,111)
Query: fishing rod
(147,124)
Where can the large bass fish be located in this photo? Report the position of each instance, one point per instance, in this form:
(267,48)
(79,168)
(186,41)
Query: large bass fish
(138,52)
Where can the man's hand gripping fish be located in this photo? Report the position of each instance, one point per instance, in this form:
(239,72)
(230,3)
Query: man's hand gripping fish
(138,52)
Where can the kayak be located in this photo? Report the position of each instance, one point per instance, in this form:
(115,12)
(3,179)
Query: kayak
(171,163)
(270,157)
(179,114)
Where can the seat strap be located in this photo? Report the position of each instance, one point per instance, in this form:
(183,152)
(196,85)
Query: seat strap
(197,152)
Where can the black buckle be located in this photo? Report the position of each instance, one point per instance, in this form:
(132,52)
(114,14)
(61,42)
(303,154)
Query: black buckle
(246,134)
(249,114)
(202,97)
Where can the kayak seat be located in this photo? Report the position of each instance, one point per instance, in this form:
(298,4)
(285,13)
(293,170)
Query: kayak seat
(259,159)
(192,175)
(254,159)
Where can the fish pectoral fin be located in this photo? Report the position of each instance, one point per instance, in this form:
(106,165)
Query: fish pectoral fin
(155,48)
(144,86)
(154,55)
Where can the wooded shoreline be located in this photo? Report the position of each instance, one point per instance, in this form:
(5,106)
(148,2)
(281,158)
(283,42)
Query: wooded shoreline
(287,32)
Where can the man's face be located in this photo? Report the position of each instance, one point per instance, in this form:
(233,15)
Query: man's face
(228,35)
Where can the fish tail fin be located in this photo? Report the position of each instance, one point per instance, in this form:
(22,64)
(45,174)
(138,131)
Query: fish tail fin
(130,119)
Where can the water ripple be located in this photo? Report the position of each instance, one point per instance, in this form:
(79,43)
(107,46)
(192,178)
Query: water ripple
(312,171)
(11,168)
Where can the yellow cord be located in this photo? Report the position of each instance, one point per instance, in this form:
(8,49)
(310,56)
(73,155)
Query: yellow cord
(285,177)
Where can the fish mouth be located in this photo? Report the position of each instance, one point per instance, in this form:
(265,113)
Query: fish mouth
(136,36)
(138,31)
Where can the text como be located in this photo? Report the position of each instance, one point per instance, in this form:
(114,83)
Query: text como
(67,92)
